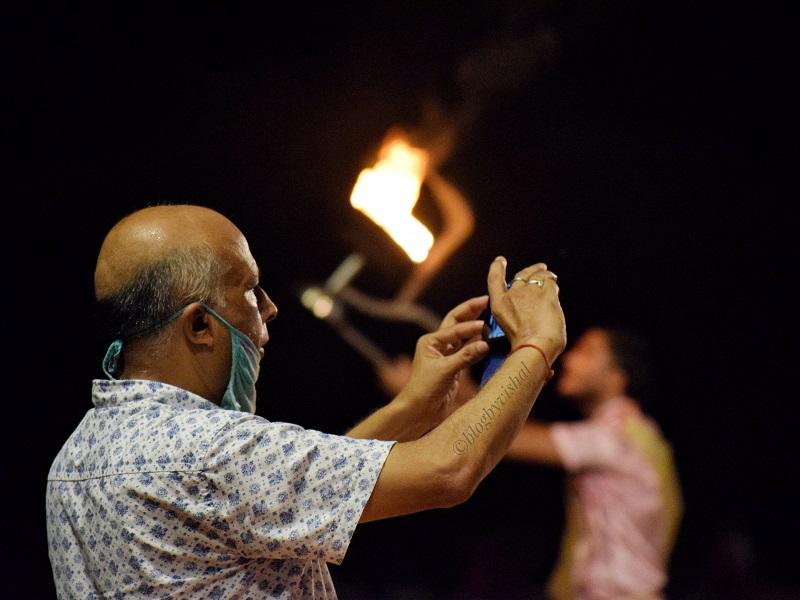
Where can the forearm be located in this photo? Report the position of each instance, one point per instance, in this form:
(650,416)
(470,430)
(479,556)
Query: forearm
(480,432)
(396,421)
(444,467)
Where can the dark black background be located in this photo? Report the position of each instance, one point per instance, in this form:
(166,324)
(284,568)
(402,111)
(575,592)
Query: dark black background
(647,157)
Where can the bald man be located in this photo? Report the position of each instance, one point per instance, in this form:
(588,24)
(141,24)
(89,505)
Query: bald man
(172,486)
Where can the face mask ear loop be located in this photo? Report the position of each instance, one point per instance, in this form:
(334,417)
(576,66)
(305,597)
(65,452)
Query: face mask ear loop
(111,360)
(229,402)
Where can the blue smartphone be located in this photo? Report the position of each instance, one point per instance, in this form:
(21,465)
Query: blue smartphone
(499,346)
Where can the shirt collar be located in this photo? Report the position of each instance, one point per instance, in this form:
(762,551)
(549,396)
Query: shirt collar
(616,409)
(107,393)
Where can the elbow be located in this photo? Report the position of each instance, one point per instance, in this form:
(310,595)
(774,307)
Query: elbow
(459,480)
(460,495)
(423,475)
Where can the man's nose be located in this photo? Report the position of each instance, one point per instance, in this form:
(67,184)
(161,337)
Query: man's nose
(268,309)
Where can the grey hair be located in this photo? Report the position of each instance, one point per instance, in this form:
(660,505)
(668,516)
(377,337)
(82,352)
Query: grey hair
(159,289)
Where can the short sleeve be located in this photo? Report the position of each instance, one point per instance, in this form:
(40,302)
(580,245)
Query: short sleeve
(585,444)
(291,492)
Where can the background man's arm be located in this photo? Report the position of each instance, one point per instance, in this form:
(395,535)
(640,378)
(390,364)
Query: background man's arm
(534,443)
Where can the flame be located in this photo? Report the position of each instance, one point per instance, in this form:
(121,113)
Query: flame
(388,191)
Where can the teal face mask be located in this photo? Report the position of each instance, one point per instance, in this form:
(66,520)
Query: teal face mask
(245,364)
(240,394)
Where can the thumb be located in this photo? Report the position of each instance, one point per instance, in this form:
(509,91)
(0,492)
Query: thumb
(465,357)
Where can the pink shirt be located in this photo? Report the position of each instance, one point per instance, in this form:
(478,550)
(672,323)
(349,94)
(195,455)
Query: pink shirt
(623,514)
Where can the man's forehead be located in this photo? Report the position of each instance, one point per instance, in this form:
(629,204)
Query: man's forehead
(242,262)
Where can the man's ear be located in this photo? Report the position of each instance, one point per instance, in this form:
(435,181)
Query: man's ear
(196,324)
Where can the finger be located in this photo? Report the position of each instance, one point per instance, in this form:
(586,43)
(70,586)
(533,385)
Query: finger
(457,334)
(543,275)
(531,271)
(536,276)
(496,280)
(453,336)
(468,310)
(540,266)
(542,279)
(547,276)
(465,357)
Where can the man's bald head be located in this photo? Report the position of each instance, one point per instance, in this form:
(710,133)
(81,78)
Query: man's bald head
(148,235)
(160,258)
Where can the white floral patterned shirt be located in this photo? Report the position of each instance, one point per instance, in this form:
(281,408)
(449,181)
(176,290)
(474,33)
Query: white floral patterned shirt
(160,493)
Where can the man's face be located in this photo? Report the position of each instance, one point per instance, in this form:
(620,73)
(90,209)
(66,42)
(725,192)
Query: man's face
(247,306)
(586,367)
